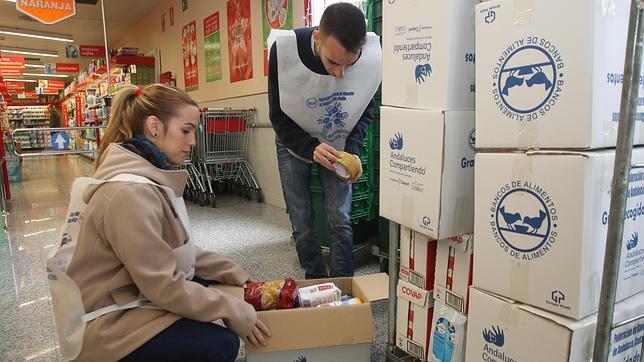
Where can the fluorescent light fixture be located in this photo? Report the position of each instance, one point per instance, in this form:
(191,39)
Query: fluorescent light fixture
(36,34)
(21,80)
(28,65)
(46,75)
(42,53)
(11,1)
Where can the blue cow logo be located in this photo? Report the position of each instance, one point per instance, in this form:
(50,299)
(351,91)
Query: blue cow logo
(396,143)
(523,220)
(557,296)
(633,241)
(422,71)
(490,16)
(495,336)
(334,116)
(527,79)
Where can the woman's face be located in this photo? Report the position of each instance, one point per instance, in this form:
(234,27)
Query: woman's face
(176,137)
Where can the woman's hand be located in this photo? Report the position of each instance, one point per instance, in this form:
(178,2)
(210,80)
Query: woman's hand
(258,335)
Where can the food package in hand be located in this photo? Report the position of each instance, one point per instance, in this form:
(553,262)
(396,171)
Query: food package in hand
(319,294)
(276,294)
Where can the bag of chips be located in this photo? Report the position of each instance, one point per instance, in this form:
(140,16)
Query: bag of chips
(276,294)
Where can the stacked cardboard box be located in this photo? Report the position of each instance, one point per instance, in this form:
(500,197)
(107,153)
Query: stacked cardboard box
(427,163)
(547,98)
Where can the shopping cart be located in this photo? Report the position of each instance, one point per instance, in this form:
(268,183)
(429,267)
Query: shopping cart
(218,160)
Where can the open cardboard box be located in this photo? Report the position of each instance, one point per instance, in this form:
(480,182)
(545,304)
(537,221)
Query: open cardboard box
(342,333)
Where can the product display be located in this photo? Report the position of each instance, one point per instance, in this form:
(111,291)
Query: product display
(276,294)
(345,301)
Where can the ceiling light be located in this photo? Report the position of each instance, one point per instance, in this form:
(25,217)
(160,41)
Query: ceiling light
(11,1)
(36,34)
(45,75)
(21,80)
(42,53)
(29,65)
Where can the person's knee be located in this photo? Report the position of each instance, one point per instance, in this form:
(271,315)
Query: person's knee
(225,348)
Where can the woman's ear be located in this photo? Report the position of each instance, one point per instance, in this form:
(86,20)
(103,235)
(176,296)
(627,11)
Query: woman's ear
(152,125)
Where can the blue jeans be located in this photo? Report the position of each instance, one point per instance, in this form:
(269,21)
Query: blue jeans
(189,340)
(295,175)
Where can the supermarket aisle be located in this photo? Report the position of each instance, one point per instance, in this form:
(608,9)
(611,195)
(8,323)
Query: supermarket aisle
(255,235)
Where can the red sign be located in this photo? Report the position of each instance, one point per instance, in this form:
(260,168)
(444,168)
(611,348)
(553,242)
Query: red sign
(47,11)
(51,91)
(15,85)
(92,51)
(11,72)
(67,68)
(12,61)
(189,47)
(56,84)
(31,95)
(211,24)
(240,49)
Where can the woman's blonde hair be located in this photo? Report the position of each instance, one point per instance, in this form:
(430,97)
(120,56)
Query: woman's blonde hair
(129,111)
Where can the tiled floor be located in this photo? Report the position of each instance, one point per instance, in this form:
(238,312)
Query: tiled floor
(255,235)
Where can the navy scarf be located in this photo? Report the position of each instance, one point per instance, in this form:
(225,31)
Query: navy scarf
(148,150)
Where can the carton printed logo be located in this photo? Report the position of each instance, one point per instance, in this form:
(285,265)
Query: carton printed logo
(300,359)
(528,78)
(495,336)
(471,140)
(490,16)
(557,296)
(633,241)
(396,142)
(523,220)
(422,71)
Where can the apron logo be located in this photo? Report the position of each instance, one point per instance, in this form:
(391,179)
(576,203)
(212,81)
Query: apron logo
(312,102)
(333,116)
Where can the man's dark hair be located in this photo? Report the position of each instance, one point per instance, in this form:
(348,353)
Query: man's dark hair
(346,23)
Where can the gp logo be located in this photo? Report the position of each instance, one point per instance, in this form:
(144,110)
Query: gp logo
(528,79)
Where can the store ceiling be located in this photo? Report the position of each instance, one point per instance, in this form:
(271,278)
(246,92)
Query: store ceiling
(86,26)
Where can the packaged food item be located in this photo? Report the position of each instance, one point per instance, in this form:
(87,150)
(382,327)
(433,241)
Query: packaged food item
(319,294)
(276,294)
(344,301)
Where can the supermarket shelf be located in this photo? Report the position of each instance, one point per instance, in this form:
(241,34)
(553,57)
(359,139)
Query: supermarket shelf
(96,106)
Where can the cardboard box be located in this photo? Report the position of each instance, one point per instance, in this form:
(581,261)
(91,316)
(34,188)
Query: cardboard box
(447,342)
(428,51)
(322,334)
(541,224)
(414,314)
(427,170)
(453,275)
(500,329)
(541,85)
(417,259)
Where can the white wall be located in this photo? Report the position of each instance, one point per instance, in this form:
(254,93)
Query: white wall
(147,35)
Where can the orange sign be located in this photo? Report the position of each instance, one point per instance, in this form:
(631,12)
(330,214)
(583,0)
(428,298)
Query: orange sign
(47,11)
(12,61)
(10,72)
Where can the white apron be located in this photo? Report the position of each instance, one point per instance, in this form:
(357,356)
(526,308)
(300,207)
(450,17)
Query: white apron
(69,311)
(325,106)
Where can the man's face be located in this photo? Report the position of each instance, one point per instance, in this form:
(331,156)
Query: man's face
(334,56)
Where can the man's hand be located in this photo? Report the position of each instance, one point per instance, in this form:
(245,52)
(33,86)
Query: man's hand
(357,176)
(326,156)
(257,336)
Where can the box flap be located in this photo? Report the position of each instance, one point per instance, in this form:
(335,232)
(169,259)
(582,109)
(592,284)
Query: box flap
(412,293)
(304,328)
(371,287)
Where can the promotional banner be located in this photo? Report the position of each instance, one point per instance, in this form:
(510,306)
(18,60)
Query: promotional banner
(15,85)
(67,68)
(212,42)
(240,49)
(189,49)
(10,72)
(276,14)
(92,51)
(12,61)
(53,84)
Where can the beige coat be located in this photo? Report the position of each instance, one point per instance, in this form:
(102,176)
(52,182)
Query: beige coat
(125,248)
